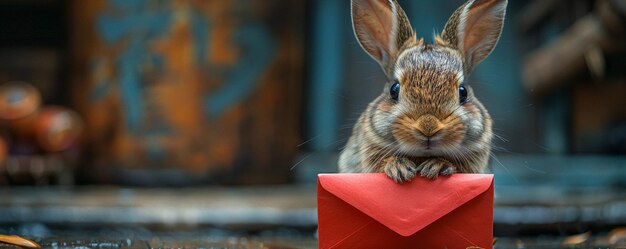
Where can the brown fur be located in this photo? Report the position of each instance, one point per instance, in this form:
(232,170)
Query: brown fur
(427,131)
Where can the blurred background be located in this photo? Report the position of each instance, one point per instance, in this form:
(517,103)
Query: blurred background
(133,119)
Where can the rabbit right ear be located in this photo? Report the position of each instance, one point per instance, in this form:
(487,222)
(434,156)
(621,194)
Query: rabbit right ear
(382,28)
(474,29)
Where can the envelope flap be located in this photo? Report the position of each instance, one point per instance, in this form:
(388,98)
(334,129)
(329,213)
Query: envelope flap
(405,208)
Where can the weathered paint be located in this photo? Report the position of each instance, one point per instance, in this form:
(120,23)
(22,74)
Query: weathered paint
(258,47)
(201,31)
(191,85)
(140,24)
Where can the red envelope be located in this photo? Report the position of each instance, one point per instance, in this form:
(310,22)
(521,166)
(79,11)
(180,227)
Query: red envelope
(372,211)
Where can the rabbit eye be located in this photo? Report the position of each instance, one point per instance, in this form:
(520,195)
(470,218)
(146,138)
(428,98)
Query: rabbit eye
(462,94)
(394,91)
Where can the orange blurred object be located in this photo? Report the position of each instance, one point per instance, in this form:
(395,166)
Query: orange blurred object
(4,151)
(19,103)
(18,100)
(57,128)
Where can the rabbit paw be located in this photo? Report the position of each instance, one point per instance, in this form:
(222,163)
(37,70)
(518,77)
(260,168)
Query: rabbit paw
(434,167)
(400,169)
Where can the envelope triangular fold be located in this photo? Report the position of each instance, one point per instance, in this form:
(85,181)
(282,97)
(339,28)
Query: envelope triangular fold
(405,208)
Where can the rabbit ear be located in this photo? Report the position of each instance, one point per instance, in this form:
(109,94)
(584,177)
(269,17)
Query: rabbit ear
(474,29)
(382,28)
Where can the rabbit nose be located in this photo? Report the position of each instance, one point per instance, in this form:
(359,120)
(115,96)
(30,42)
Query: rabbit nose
(428,125)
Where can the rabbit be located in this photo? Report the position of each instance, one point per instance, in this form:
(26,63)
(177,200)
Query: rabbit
(427,121)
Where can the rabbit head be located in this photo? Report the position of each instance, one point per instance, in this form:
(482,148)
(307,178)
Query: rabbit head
(427,108)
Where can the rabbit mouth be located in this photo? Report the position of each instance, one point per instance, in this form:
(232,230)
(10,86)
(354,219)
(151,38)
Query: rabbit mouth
(430,143)
(427,147)
(419,142)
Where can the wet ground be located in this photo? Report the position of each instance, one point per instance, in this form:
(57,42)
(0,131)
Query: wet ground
(530,213)
(234,243)
(141,238)
(94,236)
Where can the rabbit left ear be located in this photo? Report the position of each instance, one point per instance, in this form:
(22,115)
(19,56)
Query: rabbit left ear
(474,29)
(382,28)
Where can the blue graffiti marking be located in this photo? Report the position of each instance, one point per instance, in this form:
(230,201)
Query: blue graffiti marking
(257,51)
(137,23)
(140,24)
(130,83)
(200,29)
(130,4)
